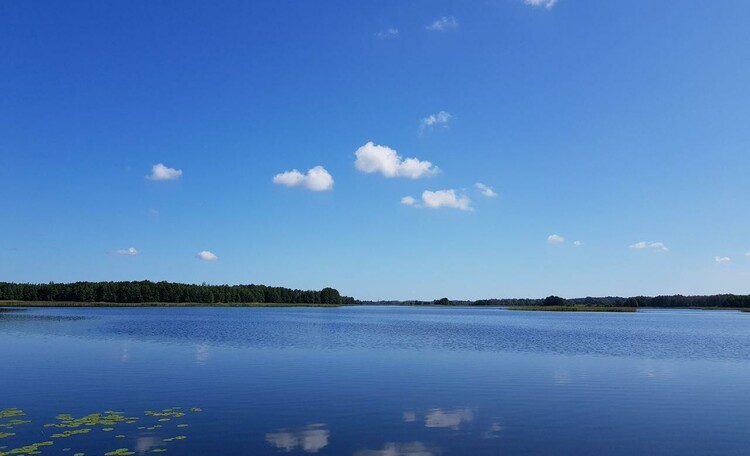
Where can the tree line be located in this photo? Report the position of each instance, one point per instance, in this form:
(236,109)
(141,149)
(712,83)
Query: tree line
(673,301)
(147,291)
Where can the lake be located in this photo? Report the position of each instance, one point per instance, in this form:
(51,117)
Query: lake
(375,381)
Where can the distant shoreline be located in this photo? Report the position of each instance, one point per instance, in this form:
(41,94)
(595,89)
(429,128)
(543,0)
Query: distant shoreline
(18,305)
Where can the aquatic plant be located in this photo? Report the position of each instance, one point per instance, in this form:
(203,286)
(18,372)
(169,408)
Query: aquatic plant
(10,412)
(11,423)
(71,426)
(119,452)
(71,433)
(27,449)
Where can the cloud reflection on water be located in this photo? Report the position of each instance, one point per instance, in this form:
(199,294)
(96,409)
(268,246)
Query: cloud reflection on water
(448,418)
(145,444)
(309,439)
(400,449)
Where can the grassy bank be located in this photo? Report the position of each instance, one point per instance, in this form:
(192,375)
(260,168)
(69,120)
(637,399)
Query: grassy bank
(572,309)
(153,304)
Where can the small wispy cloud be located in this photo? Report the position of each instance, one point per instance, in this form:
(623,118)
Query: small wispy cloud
(485,190)
(206,255)
(373,158)
(548,4)
(555,239)
(719,259)
(644,245)
(577,243)
(443,24)
(440,199)
(408,201)
(390,32)
(159,172)
(316,179)
(440,119)
(153,211)
(130,251)
(446,198)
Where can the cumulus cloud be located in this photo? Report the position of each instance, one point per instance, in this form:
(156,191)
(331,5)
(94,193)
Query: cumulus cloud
(643,245)
(401,449)
(719,259)
(317,179)
(446,198)
(373,158)
(206,255)
(555,239)
(309,439)
(577,243)
(388,33)
(408,200)
(441,119)
(159,172)
(130,251)
(548,4)
(485,190)
(443,24)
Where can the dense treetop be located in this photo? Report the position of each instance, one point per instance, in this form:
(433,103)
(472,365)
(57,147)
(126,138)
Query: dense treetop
(147,291)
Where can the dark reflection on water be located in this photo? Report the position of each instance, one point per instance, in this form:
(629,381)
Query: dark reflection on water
(392,381)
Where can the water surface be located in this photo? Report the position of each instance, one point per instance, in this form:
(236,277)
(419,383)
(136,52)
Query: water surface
(382,381)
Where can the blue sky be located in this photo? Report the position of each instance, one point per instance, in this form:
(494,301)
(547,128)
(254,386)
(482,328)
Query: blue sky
(617,124)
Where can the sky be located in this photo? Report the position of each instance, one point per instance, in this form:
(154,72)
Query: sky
(397,149)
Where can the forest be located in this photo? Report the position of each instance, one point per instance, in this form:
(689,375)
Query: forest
(166,292)
(726,301)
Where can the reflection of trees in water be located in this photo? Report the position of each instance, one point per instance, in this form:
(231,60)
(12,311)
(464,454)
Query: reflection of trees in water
(309,439)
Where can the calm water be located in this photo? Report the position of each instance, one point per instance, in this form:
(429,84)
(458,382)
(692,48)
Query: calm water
(381,381)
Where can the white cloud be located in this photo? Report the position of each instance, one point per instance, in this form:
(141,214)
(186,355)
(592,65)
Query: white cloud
(131,251)
(317,179)
(446,198)
(159,172)
(747,254)
(722,259)
(408,200)
(309,439)
(555,239)
(206,255)
(548,4)
(577,243)
(649,245)
(443,24)
(373,158)
(442,118)
(388,33)
(400,449)
(153,211)
(485,190)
